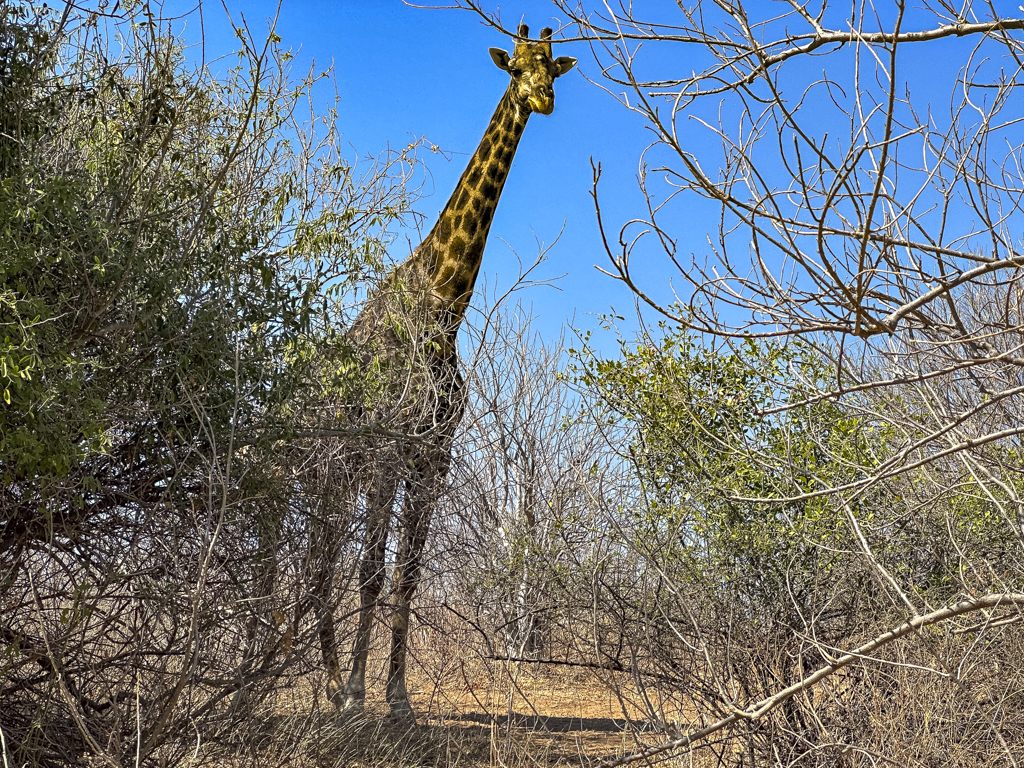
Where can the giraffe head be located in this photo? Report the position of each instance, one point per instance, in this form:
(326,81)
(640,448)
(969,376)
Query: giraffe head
(533,70)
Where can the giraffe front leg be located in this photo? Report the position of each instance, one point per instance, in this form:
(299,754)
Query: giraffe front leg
(406,581)
(324,553)
(351,695)
(397,694)
(420,496)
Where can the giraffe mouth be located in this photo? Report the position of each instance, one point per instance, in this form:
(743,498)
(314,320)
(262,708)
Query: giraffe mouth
(542,104)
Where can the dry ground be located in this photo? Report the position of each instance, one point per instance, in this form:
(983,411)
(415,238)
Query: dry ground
(476,712)
(531,719)
(492,718)
(471,713)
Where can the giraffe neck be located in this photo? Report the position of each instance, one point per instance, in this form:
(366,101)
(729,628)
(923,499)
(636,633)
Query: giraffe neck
(452,252)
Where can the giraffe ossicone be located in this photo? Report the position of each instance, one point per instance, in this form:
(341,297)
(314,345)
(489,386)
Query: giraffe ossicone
(411,324)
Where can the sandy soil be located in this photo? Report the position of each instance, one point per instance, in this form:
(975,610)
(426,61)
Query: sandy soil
(516,713)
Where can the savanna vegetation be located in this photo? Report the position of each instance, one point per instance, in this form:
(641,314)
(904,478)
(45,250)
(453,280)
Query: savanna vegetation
(779,526)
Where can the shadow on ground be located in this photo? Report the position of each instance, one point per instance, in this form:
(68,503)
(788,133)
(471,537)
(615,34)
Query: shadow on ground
(555,724)
(324,739)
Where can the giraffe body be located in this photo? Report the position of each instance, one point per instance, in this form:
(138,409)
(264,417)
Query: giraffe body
(408,329)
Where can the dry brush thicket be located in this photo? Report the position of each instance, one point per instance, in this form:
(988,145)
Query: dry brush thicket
(827,423)
(782,526)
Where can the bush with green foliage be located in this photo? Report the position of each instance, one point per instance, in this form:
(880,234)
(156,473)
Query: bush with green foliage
(177,247)
(713,450)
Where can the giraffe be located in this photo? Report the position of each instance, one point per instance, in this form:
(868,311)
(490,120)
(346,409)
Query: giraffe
(411,324)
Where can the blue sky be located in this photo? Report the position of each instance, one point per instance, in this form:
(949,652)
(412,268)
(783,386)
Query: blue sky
(405,73)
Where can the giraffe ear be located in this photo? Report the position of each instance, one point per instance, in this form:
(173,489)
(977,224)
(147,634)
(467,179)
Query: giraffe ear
(563,64)
(500,57)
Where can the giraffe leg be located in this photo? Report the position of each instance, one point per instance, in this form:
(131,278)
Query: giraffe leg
(352,694)
(420,495)
(257,640)
(324,552)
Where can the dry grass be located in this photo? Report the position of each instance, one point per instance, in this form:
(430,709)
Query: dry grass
(471,713)
(475,713)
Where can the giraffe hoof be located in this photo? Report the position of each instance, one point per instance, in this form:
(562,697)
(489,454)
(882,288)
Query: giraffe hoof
(349,703)
(402,714)
(401,709)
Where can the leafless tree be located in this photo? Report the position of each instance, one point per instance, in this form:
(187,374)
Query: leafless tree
(861,163)
(523,487)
